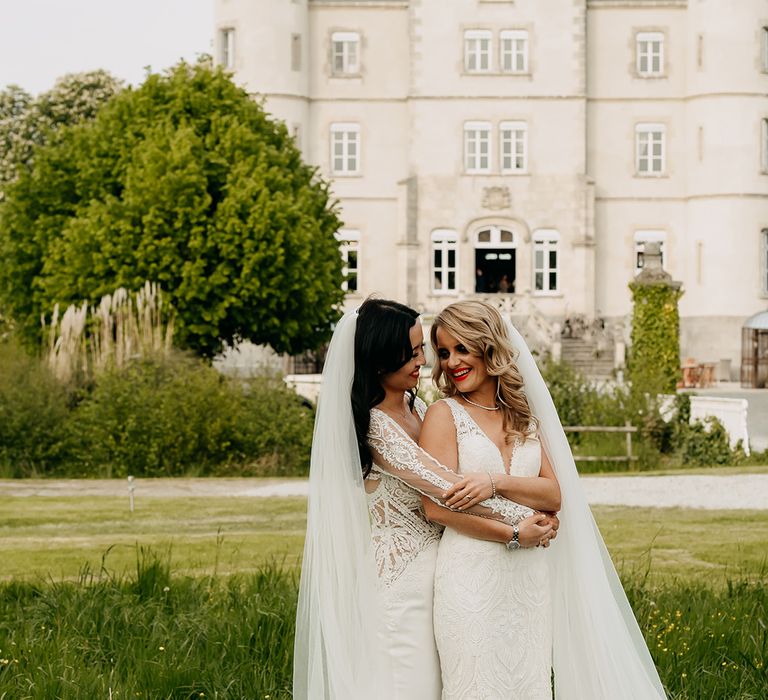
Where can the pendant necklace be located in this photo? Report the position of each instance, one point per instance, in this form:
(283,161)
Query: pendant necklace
(479,405)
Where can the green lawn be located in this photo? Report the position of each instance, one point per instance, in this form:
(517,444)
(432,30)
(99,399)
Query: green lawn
(54,537)
(217,619)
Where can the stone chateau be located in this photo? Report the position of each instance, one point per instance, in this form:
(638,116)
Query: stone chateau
(526,151)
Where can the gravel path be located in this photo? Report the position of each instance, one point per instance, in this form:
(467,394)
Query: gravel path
(742,491)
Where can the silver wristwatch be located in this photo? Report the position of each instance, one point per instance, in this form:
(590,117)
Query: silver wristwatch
(514,543)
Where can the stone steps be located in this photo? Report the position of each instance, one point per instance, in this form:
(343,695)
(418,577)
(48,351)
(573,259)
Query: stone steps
(583,355)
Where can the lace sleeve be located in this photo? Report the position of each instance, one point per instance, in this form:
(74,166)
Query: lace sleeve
(395,453)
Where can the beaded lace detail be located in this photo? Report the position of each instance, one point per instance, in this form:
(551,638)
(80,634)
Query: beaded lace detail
(404,471)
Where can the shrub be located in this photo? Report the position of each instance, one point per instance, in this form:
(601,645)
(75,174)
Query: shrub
(702,443)
(34,412)
(176,416)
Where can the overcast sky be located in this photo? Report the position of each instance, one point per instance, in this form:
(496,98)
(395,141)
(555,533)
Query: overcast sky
(43,39)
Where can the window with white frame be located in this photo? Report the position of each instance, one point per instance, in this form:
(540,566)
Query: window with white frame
(477,147)
(546,243)
(349,248)
(764,261)
(650,158)
(513,51)
(444,260)
(649,47)
(648,236)
(227,47)
(513,144)
(764,144)
(345,149)
(345,53)
(477,50)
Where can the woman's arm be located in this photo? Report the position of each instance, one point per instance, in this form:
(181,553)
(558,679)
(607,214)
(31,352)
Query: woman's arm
(541,492)
(538,529)
(395,453)
(438,437)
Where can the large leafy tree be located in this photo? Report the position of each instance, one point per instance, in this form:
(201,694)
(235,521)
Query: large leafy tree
(184,181)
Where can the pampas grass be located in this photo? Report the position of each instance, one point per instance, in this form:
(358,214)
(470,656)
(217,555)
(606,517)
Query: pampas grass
(85,341)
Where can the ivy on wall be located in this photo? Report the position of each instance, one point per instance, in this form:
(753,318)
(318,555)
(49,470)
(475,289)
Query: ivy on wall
(654,359)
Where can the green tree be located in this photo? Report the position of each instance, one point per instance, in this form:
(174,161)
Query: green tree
(184,181)
(27,122)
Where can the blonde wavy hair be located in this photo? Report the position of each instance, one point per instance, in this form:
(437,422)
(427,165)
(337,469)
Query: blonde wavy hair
(481,329)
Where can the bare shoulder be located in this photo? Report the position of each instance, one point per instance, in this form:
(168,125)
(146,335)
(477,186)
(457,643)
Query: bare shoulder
(438,422)
(439,411)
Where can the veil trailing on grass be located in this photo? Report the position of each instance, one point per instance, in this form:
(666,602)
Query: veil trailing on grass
(337,652)
(598,650)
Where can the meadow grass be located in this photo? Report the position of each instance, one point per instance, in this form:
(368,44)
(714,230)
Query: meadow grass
(53,537)
(159,635)
(195,597)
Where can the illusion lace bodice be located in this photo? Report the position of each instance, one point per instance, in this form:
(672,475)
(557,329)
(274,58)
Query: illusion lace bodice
(404,471)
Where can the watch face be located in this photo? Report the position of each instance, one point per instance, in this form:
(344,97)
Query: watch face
(512,545)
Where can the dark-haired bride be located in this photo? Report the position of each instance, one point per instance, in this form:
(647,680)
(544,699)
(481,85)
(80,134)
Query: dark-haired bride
(364,622)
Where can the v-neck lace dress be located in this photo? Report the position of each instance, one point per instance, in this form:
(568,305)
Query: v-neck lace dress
(492,617)
(405,546)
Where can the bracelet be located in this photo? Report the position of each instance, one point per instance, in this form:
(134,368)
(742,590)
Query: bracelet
(493,485)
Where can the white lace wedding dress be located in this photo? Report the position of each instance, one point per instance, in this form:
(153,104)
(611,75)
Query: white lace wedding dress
(492,615)
(405,546)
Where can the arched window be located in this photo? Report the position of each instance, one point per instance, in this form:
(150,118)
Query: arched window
(546,272)
(495,257)
(444,260)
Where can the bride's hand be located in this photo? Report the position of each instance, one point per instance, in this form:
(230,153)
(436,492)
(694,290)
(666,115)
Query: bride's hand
(537,530)
(473,488)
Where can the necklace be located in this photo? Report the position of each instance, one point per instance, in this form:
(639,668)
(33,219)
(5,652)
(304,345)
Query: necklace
(479,405)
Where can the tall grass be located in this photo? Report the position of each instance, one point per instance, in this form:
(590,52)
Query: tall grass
(122,327)
(157,635)
(153,636)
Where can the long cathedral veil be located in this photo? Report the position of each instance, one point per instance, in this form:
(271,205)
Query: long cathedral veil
(337,652)
(598,650)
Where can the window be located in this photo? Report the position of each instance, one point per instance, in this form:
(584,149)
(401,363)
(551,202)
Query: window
(227,47)
(477,51)
(477,147)
(514,51)
(513,140)
(345,149)
(295,51)
(545,261)
(764,144)
(764,48)
(495,258)
(444,244)
(643,237)
(650,149)
(349,248)
(650,53)
(345,53)
(764,261)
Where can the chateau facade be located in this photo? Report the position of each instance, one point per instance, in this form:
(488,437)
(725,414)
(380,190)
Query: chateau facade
(527,150)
